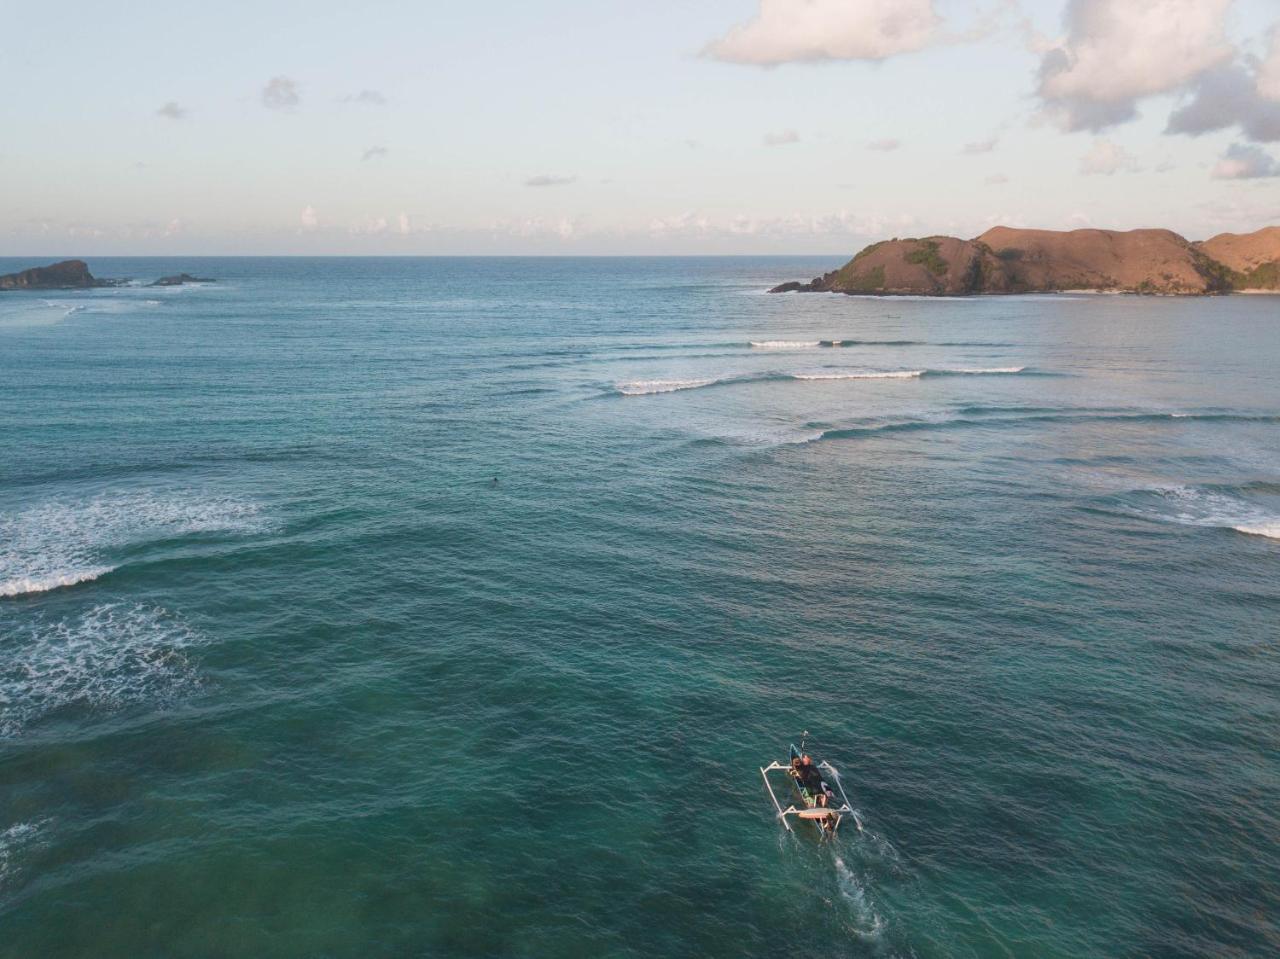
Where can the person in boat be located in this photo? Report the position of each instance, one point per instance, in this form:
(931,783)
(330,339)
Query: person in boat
(809,776)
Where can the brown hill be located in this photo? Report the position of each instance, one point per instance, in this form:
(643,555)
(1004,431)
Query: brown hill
(1254,258)
(1244,251)
(1008,260)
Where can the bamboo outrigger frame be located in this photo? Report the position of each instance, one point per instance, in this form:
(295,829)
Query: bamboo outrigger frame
(827,818)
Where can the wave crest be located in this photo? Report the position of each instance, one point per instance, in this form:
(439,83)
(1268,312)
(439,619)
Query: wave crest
(871,375)
(1250,509)
(24,585)
(62,542)
(646,387)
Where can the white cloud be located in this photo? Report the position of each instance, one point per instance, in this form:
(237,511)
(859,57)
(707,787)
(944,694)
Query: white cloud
(1106,158)
(564,228)
(982,146)
(1242,162)
(1228,97)
(842,224)
(1118,51)
(792,31)
(682,224)
(403,227)
(781,139)
(370,98)
(369,226)
(997,179)
(884,146)
(1269,69)
(374,153)
(308,219)
(547,179)
(172,111)
(280,93)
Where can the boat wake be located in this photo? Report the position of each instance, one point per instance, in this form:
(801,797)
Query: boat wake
(61,543)
(868,924)
(104,659)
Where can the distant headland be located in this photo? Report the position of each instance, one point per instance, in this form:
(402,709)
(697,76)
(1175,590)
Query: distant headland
(75,275)
(1007,260)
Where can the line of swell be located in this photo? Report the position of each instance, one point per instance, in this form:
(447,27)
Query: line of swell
(910,426)
(838,344)
(649,387)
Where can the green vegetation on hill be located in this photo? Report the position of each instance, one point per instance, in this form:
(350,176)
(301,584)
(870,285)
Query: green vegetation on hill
(868,282)
(927,255)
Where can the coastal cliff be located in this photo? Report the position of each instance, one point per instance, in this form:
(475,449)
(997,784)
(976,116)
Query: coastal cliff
(1008,260)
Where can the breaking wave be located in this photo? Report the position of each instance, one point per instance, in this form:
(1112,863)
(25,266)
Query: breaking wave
(107,658)
(837,344)
(64,542)
(648,387)
(1252,509)
(873,375)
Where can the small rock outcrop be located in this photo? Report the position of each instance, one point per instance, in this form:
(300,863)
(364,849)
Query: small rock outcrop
(67,275)
(179,279)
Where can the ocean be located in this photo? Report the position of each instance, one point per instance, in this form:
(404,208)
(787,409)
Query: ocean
(449,607)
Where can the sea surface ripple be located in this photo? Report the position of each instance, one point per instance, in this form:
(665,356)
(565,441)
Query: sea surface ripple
(448,607)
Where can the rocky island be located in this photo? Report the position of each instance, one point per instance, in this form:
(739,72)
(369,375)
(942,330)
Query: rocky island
(180,279)
(1008,260)
(67,275)
(75,275)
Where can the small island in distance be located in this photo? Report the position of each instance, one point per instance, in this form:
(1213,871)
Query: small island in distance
(75,275)
(1006,260)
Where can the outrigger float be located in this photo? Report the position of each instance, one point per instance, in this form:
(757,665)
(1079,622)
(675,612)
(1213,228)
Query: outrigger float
(823,806)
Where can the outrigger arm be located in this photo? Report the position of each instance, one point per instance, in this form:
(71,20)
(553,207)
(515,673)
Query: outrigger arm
(782,813)
(791,810)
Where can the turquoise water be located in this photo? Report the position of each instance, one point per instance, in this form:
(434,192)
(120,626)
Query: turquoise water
(285,672)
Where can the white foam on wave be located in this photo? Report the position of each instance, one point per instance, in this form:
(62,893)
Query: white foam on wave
(1269,530)
(1210,508)
(785,344)
(647,387)
(22,585)
(13,842)
(862,375)
(61,542)
(104,659)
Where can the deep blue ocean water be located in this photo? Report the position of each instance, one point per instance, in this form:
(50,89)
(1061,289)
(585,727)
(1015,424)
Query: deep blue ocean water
(431,607)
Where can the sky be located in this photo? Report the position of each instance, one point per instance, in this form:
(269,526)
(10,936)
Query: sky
(571,127)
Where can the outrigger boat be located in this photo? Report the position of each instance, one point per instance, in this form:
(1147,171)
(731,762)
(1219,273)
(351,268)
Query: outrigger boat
(822,805)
